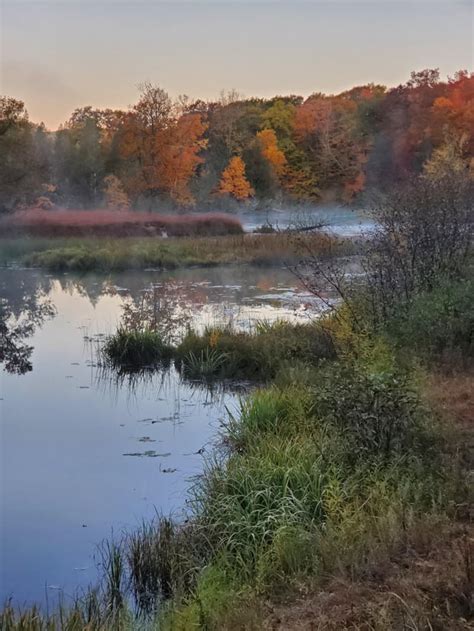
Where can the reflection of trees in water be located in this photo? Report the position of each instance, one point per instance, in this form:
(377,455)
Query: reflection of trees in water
(23,307)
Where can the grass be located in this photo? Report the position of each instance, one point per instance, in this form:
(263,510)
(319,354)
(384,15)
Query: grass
(221,352)
(108,254)
(269,351)
(329,475)
(135,349)
(74,223)
(439,325)
(300,499)
(339,479)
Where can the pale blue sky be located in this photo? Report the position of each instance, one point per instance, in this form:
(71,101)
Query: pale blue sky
(61,54)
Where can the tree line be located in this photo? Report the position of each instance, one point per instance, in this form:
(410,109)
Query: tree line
(175,153)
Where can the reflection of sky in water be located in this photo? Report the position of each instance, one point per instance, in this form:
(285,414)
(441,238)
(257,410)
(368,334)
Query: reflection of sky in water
(65,482)
(343,221)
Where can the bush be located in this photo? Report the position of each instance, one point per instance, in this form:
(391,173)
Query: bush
(377,413)
(439,323)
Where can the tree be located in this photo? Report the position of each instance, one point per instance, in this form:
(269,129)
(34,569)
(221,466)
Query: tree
(79,162)
(233,181)
(269,148)
(114,193)
(23,165)
(445,160)
(180,146)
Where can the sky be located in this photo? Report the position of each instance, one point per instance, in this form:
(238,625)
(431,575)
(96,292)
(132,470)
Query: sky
(57,55)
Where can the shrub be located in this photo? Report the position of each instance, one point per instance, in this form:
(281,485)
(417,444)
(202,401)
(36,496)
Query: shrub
(423,233)
(439,323)
(377,412)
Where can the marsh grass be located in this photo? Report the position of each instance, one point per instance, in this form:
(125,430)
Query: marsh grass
(258,354)
(205,365)
(135,349)
(108,254)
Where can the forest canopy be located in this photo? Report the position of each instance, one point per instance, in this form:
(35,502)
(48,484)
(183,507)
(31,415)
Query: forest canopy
(174,153)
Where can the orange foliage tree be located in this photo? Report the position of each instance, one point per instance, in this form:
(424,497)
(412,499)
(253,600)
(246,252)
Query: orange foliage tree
(163,150)
(233,181)
(270,150)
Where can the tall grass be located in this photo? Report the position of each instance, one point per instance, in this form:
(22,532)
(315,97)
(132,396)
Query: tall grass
(73,223)
(255,355)
(306,486)
(108,253)
(135,349)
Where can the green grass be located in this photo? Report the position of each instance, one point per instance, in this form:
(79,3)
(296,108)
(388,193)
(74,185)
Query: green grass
(221,352)
(257,355)
(108,254)
(327,475)
(135,349)
(309,489)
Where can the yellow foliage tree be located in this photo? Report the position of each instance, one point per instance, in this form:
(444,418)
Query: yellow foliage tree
(115,196)
(233,181)
(446,159)
(270,150)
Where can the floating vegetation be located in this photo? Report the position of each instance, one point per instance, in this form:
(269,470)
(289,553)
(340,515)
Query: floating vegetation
(148,454)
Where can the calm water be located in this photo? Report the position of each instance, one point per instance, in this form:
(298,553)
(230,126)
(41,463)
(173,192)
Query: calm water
(83,455)
(343,221)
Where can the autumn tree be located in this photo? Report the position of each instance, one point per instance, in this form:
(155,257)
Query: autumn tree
(180,147)
(233,181)
(115,195)
(161,150)
(24,157)
(270,150)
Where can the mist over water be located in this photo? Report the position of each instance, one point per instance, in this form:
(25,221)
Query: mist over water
(343,221)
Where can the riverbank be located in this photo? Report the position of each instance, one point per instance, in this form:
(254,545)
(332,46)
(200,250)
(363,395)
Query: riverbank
(342,499)
(107,254)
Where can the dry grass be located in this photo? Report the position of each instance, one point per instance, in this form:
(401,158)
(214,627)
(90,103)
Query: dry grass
(430,587)
(453,396)
(74,223)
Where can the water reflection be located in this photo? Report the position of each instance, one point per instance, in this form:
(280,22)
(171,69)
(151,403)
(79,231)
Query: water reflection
(23,307)
(66,425)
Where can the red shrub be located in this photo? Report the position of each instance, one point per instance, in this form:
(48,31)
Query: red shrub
(80,223)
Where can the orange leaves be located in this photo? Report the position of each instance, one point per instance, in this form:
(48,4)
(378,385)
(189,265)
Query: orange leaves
(454,111)
(233,181)
(270,150)
(179,156)
(166,156)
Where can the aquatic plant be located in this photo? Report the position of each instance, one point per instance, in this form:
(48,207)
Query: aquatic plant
(135,349)
(207,363)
